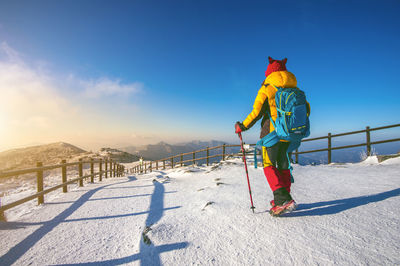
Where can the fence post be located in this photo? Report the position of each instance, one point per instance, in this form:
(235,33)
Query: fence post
(157,165)
(145,168)
(105,168)
(163,164)
(2,216)
(80,173)
(181,160)
(223,152)
(39,178)
(172,162)
(91,171)
(100,170)
(194,158)
(151,167)
(368,133)
(64,176)
(208,154)
(109,168)
(297,156)
(329,147)
(115,170)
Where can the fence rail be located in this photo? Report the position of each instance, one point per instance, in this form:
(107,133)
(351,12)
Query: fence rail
(368,144)
(112,168)
(171,162)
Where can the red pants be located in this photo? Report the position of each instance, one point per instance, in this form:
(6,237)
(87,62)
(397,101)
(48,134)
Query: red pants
(277,178)
(276,166)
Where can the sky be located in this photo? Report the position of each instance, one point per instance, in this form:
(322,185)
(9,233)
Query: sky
(121,73)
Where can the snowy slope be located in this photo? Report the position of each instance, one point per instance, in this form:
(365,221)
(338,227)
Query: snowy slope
(348,215)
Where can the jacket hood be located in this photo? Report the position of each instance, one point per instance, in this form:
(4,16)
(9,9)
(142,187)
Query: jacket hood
(284,79)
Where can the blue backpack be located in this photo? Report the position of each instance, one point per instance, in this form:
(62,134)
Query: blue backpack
(292,123)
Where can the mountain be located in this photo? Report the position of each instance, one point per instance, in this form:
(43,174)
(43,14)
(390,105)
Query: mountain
(47,154)
(349,155)
(53,154)
(163,150)
(118,155)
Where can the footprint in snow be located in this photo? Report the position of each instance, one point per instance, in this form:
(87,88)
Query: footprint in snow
(146,239)
(207,204)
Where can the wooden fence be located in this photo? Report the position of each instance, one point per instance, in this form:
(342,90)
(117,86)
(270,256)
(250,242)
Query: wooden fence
(172,161)
(111,169)
(368,143)
(178,160)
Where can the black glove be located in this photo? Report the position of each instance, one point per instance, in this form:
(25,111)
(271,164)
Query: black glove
(239,127)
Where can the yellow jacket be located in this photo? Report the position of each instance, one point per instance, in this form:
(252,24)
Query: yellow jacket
(265,100)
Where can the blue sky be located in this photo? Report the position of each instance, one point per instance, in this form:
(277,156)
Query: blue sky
(184,70)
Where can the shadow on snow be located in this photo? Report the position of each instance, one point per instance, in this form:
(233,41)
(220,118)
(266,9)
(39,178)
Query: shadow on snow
(148,254)
(337,206)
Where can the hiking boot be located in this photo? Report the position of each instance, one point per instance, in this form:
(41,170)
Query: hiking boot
(278,210)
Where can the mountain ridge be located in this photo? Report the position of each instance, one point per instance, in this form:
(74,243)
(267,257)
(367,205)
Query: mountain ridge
(162,149)
(53,153)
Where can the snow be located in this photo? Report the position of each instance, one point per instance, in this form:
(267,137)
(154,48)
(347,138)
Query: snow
(348,214)
(370,160)
(391,161)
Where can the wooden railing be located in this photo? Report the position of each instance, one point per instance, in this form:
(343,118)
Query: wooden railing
(111,168)
(368,143)
(171,162)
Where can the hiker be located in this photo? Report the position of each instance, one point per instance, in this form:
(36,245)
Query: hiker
(275,158)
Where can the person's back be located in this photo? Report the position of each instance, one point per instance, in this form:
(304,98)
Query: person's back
(275,158)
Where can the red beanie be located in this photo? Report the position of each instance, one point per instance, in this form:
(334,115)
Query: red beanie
(275,65)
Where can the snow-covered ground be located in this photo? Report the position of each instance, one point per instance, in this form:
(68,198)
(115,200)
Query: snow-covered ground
(348,214)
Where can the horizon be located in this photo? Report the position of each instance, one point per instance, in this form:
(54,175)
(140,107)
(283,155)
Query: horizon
(139,73)
(377,149)
(106,147)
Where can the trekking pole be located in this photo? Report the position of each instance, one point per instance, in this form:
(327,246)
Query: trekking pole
(247,173)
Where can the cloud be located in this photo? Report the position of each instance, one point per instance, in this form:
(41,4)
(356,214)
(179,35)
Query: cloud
(38,106)
(11,54)
(30,104)
(104,87)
